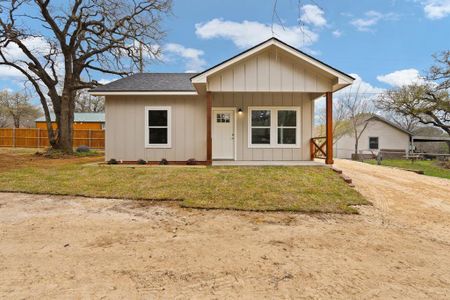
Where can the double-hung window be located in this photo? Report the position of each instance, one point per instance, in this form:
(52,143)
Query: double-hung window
(158,127)
(274,127)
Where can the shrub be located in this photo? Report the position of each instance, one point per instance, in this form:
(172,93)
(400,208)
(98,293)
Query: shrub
(112,161)
(191,161)
(141,162)
(163,162)
(83,148)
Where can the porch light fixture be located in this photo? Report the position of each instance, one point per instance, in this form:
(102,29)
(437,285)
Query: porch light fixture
(240,111)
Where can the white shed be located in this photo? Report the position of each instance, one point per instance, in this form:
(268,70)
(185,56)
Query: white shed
(380,134)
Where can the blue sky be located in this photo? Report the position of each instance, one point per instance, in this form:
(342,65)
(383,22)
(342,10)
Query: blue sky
(383,42)
(367,37)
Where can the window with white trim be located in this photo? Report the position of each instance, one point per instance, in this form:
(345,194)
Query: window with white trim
(158,126)
(274,127)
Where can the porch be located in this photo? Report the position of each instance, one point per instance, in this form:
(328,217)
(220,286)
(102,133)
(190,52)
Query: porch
(254,163)
(233,138)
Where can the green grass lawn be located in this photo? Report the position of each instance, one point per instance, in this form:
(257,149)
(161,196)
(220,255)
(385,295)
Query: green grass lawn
(304,189)
(429,167)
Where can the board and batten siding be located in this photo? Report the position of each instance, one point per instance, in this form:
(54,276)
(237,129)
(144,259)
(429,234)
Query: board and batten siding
(271,70)
(245,100)
(125,128)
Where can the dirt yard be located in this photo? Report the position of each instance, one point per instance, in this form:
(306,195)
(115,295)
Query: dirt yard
(59,247)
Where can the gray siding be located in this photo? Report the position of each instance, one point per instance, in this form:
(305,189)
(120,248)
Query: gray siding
(244,100)
(271,70)
(125,128)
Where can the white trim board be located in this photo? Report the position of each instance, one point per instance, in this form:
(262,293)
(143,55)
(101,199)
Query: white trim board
(274,128)
(193,93)
(169,127)
(234,109)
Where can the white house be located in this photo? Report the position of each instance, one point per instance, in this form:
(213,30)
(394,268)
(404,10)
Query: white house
(379,134)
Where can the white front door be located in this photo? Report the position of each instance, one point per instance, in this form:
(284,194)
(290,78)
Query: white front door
(223,134)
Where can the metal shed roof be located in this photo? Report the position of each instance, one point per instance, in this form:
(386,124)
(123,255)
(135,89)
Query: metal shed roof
(80,118)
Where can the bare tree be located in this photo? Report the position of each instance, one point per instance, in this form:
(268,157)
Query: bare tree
(84,102)
(358,109)
(3,117)
(77,38)
(407,122)
(18,107)
(427,103)
(340,121)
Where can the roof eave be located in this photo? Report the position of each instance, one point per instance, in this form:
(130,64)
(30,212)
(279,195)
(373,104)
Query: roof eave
(202,77)
(142,93)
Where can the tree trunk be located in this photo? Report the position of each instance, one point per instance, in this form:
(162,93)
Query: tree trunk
(64,121)
(16,120)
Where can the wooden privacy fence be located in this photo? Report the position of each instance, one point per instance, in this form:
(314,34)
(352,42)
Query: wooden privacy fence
(38,138)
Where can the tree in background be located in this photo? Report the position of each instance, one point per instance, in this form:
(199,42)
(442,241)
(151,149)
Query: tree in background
(70,40)
(427,103)
(84,102)
(357,108)
(18,108)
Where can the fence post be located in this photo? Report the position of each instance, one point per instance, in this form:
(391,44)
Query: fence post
(14,136)
(38,137)
(90,137)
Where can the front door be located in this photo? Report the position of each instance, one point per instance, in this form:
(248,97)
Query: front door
(223,134)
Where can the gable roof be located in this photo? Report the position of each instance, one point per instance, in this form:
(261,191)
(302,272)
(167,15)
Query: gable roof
(381,119)
(149,82)
(80,118)
(345,78)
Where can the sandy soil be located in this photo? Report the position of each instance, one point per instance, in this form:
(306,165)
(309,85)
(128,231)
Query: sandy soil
(58,247)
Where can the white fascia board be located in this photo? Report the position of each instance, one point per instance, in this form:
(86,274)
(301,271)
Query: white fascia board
(193,93)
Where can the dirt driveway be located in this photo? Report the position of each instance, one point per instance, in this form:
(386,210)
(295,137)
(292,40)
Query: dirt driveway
(59,247)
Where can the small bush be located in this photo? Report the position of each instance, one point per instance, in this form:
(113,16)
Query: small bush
(141,162)
(83,148)
(163,162)
(112,161)
(191,162)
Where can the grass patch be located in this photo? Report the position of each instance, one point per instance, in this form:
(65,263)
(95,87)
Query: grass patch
(429,167)
(304,189)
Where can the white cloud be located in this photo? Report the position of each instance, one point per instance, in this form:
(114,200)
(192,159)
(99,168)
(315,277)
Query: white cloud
(7,72)
(401,77)
(436,9)
(105,81)
(312,14)
(360,86)
(337,33)
(370,19)
(249,33)
(34,44)
(192,57)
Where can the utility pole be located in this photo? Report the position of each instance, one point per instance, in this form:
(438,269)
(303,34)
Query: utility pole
(141,59)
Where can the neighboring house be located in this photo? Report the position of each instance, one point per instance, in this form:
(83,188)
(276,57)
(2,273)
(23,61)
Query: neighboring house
(93,121)
(255,106)
(380,134)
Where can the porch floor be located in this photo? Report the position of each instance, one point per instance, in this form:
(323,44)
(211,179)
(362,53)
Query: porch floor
(267,163)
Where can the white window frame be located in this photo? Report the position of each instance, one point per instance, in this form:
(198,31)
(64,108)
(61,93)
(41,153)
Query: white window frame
(274,127)
(169,127)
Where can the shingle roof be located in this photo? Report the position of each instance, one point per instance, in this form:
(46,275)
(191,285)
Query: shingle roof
(80,117)
(150,82)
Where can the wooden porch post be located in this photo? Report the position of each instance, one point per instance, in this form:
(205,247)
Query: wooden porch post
(208,128)
(329,128)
